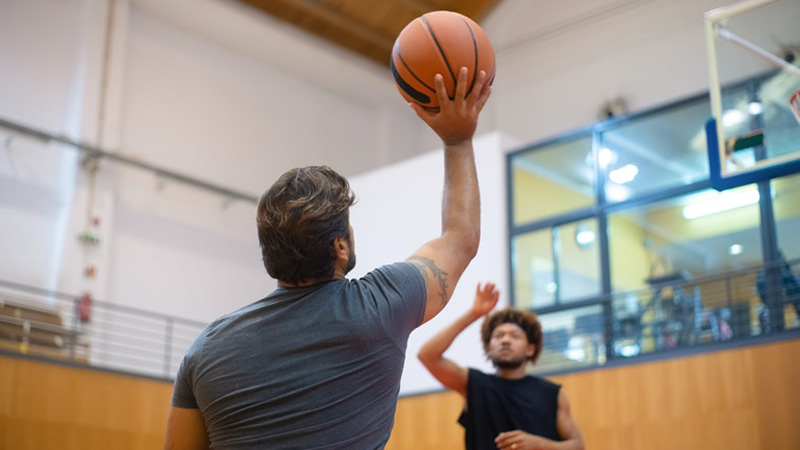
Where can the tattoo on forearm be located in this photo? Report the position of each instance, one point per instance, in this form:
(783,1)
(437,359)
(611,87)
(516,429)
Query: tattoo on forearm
(427,264)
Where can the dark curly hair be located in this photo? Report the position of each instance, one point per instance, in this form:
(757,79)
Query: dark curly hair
(527,320)
(298,219)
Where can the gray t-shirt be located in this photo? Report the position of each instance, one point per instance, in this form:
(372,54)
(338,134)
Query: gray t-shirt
(306,368)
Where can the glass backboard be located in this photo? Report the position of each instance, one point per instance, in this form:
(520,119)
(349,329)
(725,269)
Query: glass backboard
(754,84)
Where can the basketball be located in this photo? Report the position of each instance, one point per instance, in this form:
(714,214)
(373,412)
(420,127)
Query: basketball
(439,42)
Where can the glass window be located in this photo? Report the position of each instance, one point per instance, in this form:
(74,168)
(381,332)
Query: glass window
(571,338)
(557,265)
(551,180)
(786,206)
(532,266)
(578,258)
(656,152)
(697,234)
(685,271)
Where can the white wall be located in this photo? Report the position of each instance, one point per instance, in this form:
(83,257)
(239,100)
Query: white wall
(40,56)
(399,209)
(559,62)
(195,103)
(217,94)
(241,112)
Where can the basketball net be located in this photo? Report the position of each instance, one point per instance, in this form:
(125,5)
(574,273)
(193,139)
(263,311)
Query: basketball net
(794,101)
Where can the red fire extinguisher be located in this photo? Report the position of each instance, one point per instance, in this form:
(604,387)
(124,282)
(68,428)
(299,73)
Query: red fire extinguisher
(85,307)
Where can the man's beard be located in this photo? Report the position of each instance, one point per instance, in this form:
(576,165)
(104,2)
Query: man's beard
(508,363)
(351,260)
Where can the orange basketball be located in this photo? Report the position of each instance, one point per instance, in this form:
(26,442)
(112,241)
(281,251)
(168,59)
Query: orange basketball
(439,42)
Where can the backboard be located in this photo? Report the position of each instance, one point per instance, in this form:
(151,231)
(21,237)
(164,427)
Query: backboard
(753,50)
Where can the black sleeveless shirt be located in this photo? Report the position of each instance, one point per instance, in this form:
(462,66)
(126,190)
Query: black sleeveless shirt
(495,405)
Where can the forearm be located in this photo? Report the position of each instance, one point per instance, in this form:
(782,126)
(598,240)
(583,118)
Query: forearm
(461,208)
(434,349)
(569,444)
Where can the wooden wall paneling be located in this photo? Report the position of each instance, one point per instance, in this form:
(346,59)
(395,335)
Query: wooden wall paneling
(777,394)
(428,422)
(6,389)
(59,407)
(745,398)
(6,386)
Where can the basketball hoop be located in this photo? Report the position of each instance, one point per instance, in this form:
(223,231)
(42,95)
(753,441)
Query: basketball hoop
(794,101)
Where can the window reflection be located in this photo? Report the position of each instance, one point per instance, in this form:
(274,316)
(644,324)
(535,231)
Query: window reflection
(700,233)
(786,205)
(656,152)
(684,272)
(572,338)
(553,179)
(532,263)
(664,258)
(578,269)
(556,266)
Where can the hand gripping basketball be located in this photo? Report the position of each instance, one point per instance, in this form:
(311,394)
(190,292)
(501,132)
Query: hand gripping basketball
(456,119)
(439,42)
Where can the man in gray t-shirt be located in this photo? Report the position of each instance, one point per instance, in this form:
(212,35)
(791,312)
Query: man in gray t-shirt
(317,363)
(353,336)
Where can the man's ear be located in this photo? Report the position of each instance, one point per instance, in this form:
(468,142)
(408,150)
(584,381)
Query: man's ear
(342,247)
(530,350)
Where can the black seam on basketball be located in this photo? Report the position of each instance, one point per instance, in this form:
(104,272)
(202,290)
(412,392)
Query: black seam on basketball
(474,46)
(413,93)
(405,64)
(441,51)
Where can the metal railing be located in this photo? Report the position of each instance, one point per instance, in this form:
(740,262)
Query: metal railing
(677,313)
(67,328)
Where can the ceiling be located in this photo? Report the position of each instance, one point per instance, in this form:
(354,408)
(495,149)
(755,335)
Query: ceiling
(366,27)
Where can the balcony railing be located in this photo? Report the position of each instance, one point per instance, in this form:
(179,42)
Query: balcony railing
(62,327)
(676,313)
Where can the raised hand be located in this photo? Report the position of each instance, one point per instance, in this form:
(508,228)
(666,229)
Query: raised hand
(455,120)
(485,299)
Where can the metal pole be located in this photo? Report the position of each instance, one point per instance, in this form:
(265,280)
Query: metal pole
(91,151)
(74,338)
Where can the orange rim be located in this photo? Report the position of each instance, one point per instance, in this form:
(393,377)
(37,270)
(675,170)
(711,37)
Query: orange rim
(794,102)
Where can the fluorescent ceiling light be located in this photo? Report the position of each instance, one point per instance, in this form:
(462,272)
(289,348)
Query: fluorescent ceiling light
(624,174)
(616,192)
(584,237)
(723,201)
(755,108)
(732,117)
(606,156)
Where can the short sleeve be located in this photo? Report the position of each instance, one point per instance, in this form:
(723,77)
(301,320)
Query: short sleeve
(399,295)
(183,390)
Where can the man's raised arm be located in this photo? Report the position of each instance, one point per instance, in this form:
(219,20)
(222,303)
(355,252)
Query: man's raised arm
(443,260)
(451,375)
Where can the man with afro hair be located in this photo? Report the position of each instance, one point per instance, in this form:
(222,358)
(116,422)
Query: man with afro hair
(510,409)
